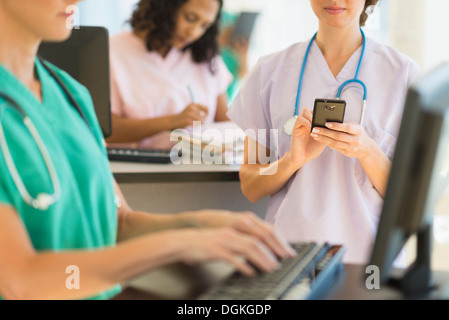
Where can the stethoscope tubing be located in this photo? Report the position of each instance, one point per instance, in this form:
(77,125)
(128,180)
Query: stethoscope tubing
(43,200)
(341,88)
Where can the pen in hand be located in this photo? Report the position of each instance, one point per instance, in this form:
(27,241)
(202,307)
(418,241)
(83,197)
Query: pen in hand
(192,97)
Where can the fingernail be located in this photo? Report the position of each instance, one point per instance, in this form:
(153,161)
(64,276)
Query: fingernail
(329,125)
(316,130)
(314,135)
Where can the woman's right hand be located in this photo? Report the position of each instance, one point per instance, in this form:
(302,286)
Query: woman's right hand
(193,112)
(303,147)
(241,250)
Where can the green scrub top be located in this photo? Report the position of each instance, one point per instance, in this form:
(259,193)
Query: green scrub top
(232,61)
(230,58)
(85,216)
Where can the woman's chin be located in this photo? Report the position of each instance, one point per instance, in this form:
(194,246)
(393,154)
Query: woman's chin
(181,45)
(58,35)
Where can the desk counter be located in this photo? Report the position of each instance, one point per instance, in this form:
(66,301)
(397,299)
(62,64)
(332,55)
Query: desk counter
(169,188)
(126,172)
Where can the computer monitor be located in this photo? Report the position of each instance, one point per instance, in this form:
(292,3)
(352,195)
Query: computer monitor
(85,56)
(419,176)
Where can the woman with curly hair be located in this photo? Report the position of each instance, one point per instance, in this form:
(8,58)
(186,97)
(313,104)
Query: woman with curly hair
(329,183)
(166,73)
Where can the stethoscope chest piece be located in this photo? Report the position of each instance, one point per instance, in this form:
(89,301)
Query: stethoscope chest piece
(290,125)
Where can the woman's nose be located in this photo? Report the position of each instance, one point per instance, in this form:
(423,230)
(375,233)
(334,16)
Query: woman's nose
(195,31)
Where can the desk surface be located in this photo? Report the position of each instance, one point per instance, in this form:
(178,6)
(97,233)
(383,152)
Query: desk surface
(130,172)
(179,282)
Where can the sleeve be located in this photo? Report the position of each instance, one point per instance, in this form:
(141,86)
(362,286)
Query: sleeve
(116,99)
(4,194)
(249,111)
(224,76)
(414,72)
(86,102)
(388,142)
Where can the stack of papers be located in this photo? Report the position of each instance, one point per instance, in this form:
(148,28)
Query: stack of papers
(217,142)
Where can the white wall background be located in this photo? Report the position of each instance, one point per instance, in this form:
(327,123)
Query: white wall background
(435,42)
(112,14)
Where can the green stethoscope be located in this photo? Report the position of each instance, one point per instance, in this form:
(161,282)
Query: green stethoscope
(290,123)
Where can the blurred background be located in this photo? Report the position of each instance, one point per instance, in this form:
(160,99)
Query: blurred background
(414,27)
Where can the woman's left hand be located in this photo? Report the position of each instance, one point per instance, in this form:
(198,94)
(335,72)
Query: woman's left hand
(241,47)
(350,139)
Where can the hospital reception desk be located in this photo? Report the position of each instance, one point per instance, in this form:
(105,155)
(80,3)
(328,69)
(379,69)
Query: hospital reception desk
(169,188)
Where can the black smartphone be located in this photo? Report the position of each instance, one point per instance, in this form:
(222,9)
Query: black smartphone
(328,110)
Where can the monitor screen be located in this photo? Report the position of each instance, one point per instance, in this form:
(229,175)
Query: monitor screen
(418,178)
(85,56)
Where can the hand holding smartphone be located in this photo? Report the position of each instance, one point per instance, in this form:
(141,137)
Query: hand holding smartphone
(328,110)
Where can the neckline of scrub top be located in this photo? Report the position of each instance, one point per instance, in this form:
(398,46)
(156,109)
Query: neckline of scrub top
(346,73)
(15,85)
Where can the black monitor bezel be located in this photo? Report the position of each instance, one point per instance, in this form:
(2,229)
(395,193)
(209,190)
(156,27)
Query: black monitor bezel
(85,56)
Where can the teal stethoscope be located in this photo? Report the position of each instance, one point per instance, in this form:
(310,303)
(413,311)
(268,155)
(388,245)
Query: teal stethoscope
(43,200)
(290,123)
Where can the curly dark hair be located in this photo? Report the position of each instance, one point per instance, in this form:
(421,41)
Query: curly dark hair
(157,18)
(369,6)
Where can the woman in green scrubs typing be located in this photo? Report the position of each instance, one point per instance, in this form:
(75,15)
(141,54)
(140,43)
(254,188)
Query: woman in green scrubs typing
(59,204)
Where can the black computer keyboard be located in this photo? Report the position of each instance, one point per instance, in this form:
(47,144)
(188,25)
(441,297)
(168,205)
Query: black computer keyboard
(308,275)
(139,155)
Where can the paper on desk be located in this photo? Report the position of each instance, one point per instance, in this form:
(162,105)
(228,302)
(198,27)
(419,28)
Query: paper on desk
(217,136)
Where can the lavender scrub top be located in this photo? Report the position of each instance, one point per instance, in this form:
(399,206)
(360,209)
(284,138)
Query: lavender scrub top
(331,198)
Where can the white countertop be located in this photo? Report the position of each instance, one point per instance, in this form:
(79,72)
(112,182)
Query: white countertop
(131,167)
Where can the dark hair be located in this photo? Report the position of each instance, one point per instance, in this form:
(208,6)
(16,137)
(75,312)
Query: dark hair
(369,7)
(157,18)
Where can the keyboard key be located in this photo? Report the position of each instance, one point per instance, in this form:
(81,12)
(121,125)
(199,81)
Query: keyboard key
(139,155)
(296,279)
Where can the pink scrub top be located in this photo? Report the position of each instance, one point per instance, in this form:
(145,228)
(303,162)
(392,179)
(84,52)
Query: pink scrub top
(146,85)
(330,198)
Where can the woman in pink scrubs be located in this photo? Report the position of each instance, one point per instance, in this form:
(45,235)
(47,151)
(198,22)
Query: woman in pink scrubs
(327,185)
(166,73)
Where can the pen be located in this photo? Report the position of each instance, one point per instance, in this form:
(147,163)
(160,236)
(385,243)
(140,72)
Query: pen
(192,96)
